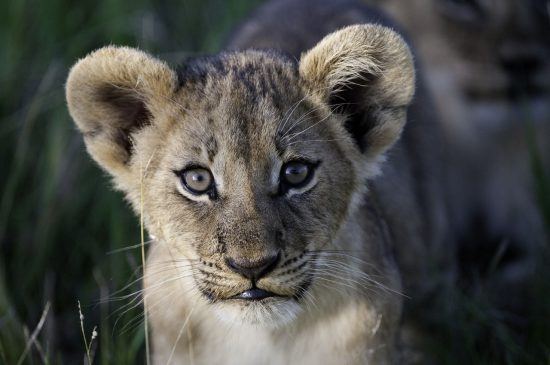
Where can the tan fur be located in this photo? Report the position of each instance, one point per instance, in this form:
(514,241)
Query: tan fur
(242,115)
(120,70)
(378,52)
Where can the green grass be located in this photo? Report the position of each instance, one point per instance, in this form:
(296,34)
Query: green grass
(59,219)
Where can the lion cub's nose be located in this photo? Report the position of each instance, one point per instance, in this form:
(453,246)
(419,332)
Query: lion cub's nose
(253,270)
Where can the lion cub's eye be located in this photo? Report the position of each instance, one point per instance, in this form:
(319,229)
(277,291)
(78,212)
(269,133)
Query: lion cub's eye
(296,174)
(197,180)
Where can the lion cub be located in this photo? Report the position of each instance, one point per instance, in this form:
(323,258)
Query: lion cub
(260,178)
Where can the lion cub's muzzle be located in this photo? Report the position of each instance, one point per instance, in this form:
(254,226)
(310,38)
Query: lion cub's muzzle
(254,270)
(272,276)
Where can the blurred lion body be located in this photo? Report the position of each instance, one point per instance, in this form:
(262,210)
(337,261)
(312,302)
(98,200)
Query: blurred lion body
(340,244)
(487,65)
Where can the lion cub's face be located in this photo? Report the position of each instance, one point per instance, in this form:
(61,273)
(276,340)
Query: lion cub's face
(252,181)
(245,165)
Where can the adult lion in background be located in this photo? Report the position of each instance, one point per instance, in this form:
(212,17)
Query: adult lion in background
(487,63)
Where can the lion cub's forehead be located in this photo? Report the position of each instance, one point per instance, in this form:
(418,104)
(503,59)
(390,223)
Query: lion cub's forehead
(257,73)
(240,101)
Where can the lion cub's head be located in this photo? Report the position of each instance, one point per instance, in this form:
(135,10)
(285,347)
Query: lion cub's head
(245,165)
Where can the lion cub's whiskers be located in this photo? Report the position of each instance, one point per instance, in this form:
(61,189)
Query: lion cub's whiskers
(152,308)
(303,118)
(339,270)
(138,295)
(288,114)
(140,278)
(294,135)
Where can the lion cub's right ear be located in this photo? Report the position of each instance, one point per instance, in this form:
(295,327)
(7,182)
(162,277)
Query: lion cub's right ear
(113,93)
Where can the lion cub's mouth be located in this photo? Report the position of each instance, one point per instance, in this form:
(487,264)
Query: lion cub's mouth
(255,294)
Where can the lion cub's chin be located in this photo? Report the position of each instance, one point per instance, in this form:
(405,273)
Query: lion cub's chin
(267,313)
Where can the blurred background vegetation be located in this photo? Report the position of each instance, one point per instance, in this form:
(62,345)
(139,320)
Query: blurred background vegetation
(62,226)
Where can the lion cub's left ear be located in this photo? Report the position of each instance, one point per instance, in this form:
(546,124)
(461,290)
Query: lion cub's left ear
(366,73)
(112,94)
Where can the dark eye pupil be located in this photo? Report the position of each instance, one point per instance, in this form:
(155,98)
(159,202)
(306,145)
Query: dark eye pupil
(198,177)
(296,173)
